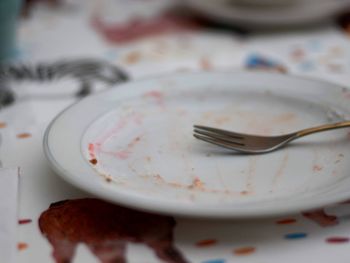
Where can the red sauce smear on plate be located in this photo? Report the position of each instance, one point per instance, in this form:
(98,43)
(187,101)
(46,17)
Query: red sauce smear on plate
(106,229)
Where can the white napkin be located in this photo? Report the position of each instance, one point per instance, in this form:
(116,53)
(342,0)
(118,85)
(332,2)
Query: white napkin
(8,214)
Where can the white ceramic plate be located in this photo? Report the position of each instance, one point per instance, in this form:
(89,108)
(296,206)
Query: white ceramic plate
(300,12)
(133,145)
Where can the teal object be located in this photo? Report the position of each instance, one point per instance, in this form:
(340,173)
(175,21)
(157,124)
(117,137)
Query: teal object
(9,11)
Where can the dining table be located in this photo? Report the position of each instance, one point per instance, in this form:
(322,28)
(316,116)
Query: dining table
(70,50)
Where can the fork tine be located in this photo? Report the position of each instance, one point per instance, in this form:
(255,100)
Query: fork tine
(220,143)
(222,137)
(219,131)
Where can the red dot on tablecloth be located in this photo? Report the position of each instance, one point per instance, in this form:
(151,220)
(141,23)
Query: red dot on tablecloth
(24,221)
(286,221)
(206,242)
(337,240)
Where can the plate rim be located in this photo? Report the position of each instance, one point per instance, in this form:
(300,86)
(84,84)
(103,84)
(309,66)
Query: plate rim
(188,211)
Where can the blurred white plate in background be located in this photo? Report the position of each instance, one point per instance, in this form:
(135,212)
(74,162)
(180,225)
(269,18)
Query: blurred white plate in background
(269,13)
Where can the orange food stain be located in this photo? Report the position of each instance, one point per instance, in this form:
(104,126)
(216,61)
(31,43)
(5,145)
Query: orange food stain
(317,168)
(155,94)
(222,120)
(336,51)
(336,68)
(133,57)
(24,135)
(205,64)
(123,155)
(286,117)
(158,178)
(2,125)
(206,242)
(177,185)
(297,54)
(22,246)
(196,184)
(244,251)
(134,141)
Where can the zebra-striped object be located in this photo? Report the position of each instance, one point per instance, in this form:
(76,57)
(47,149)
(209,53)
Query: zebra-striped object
(85,71)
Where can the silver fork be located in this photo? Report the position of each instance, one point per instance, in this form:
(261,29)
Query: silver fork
(249,143)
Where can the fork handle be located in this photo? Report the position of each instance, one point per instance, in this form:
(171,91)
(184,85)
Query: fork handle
(321,128)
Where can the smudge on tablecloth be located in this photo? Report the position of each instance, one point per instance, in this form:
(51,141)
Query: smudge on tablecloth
(321,218)
(106,229)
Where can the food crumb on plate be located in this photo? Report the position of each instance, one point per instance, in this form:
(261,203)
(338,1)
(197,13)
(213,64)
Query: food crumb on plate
(93,161)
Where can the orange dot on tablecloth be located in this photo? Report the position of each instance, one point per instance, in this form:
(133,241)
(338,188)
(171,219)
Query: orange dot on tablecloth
(133,57)
(244,251)
(22,246)
(3,125)
(24,135)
